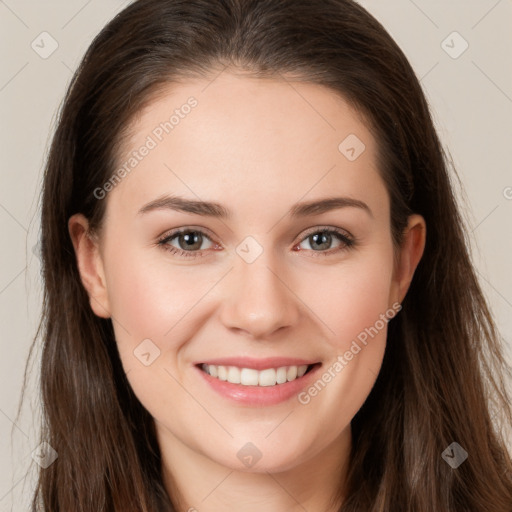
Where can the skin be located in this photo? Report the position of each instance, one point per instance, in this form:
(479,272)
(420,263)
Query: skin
(257,146)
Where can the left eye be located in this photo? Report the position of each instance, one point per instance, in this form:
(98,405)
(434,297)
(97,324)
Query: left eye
(322,240)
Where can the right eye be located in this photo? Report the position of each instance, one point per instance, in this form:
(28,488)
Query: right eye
(189,242)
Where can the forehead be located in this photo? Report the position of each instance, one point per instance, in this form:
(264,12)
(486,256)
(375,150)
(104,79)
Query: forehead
(248,137)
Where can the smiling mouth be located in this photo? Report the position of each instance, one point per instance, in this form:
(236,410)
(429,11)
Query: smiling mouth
(256,378)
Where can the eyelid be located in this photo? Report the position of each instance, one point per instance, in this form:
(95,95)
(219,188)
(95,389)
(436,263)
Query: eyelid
(176,231)
(317,229)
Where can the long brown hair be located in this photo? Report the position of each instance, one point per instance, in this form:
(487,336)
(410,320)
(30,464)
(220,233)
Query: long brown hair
(442,378)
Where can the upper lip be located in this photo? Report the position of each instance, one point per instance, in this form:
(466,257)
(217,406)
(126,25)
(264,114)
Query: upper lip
(258,363)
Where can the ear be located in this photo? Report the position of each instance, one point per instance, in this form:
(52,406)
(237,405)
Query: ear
(409,256)
(90,264)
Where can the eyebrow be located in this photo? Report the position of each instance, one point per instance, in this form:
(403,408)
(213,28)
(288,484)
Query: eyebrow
(212,209)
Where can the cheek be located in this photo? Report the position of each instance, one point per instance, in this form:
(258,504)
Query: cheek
(155,307)
(149,297)
(355,306)
(149,306)
(354,296)
(145,305)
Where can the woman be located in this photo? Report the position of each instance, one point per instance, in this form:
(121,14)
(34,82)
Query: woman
(331,350)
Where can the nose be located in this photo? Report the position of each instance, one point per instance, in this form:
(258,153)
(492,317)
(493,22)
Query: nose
(258,300)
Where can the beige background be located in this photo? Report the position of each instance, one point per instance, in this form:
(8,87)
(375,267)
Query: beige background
(470,95)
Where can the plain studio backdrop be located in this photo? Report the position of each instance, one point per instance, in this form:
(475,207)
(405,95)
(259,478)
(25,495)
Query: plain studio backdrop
(461,51)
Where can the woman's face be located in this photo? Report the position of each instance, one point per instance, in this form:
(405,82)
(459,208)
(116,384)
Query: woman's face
(291,268)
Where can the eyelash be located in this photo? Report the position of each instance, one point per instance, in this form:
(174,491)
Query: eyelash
(347,241)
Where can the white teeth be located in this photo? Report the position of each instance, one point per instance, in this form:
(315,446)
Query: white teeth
(301,370)
(222,373)
(248,377)
(281,375)
(251,377)
(291,373)
(267,377)
(234,375)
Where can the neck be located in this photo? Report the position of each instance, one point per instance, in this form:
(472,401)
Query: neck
(197,483)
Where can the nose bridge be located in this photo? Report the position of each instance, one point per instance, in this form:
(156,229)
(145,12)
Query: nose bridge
(258,300)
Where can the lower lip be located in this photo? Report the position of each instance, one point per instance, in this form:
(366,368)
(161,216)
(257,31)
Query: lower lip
(259,395)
